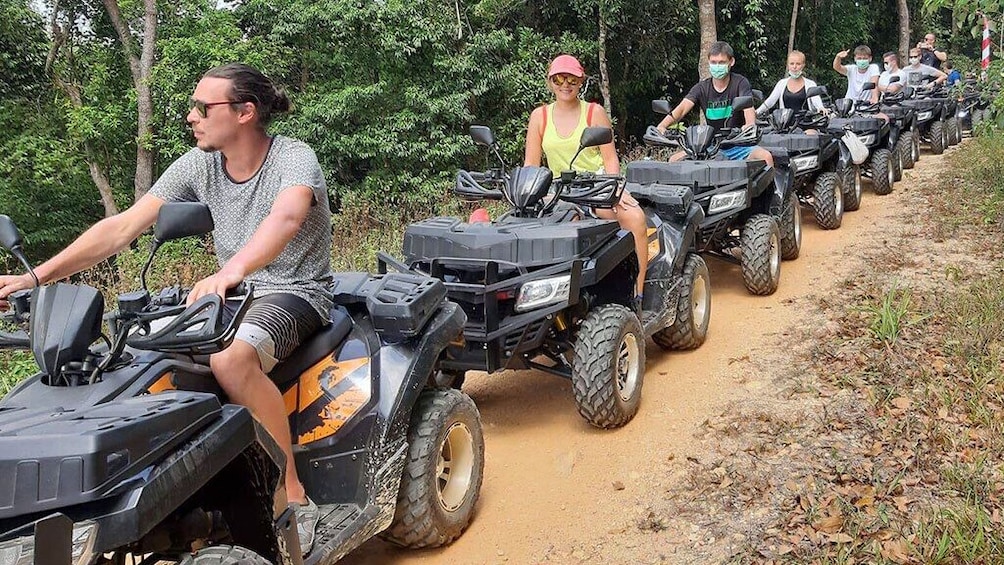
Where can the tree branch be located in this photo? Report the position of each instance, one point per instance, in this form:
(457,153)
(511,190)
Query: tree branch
(125,37)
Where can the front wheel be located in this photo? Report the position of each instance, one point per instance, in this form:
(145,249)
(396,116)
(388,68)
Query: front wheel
(224,555)
(882,171)
(608,366)
(850,183)
(443,473)
(791,228)
(896,161)
(760,254)
(693,309)
(828,201)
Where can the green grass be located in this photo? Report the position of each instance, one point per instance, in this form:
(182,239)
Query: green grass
(890,314)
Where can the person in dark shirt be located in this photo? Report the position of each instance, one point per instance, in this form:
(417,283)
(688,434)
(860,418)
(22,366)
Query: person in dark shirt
(714,97)
(929,55)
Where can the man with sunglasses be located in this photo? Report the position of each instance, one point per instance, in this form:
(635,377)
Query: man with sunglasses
(269,204)
(714,96)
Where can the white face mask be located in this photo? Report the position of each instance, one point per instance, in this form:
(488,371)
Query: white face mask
(888,67)
(914,60)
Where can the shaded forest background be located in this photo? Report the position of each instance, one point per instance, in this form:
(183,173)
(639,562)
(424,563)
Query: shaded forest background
(93,94)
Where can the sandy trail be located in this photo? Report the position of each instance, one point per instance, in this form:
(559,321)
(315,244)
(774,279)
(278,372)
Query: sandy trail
(557,490)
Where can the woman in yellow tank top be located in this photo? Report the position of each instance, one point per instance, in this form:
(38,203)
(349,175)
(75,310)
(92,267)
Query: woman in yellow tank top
(554,131)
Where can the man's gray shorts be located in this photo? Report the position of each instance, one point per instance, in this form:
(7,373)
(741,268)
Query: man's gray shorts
(276,324)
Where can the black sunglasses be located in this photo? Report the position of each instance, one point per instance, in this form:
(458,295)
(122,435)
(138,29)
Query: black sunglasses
(203,107)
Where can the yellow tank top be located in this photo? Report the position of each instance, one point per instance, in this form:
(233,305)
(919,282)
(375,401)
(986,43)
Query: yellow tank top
(560,150)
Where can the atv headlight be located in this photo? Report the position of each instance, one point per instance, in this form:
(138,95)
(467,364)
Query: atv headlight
(921,116)
(21,551)
(545,291)
(868,139)
(805,163)
(727,201)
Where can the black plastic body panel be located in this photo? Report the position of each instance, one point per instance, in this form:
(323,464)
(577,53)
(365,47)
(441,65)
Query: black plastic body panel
(528,242)
(51,459)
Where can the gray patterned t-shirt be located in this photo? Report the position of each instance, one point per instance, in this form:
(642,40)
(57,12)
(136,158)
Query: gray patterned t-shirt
(303,267)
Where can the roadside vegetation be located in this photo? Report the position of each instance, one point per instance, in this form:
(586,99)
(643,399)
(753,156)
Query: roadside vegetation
(901,460)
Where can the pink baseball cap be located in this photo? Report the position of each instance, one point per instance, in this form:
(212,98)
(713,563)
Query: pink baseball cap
(566,64)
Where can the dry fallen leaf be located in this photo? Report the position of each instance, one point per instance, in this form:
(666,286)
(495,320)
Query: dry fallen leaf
(830,524)
(840,537)
(902,402)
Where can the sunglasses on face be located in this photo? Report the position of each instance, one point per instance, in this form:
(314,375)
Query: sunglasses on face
(562,80)
(203,107)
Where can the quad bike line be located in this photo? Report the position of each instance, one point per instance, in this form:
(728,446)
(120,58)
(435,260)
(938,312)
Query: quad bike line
(549,490)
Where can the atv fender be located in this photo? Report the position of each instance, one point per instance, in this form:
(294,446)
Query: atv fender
(894,131)
(784,181)
(844,159)
(405,367)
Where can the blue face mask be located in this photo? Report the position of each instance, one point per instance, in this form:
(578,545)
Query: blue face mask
(862,63)
(795,74)
(718,70)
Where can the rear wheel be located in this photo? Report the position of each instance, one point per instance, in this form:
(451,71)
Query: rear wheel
(916,145)
(937,135)
(443,473)
(791,228)
(760,254)
(224,555)
(896,162)
(693,309)
(850,183)
(828,201)
(608,366)
(905,146)
(953,131)
(882,171)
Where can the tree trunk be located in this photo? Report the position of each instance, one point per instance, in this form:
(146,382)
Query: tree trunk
(604,73)
(904,30)
(709,33)
(97,172)
(794,22)
(140,68)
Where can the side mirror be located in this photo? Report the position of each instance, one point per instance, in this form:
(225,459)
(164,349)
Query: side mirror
(868,86)
(482,135)
(742,103)
(10,238)
(757,95)
(816,91)
(661,107)
(596,136)
(894,78)
(182,219)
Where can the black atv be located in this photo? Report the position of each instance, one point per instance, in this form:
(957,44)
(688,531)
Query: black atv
(545,286)
(973,108)
(747,205)
(884,163)
(815,159)
(124,447)
(903,119)
(934,111)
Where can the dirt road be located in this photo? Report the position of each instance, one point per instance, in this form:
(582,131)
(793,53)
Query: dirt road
(557,490)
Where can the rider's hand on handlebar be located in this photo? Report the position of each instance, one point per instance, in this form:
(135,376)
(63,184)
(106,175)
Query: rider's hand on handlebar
(10,284)
(215,284)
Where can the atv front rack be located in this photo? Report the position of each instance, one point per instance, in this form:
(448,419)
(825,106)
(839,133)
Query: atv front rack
(493,327)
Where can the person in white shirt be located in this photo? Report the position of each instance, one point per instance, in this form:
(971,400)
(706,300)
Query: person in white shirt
(861,72)
(891,63)
(790,91)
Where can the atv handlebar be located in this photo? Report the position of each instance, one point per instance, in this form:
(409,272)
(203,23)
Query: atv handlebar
(469,185)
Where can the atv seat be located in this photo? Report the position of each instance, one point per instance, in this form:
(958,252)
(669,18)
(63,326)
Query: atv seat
(317,347)
(703,174)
